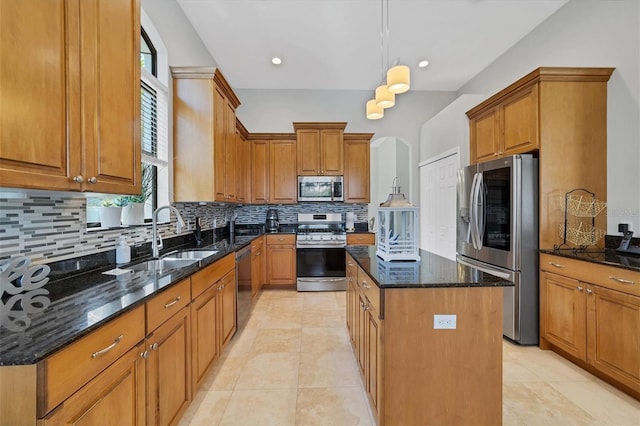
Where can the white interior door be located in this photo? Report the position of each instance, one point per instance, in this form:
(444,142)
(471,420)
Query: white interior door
(438,178)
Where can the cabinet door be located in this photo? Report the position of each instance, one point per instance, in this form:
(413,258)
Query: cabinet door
(205,345)
(231,163)
(227,307)
(257,265)
(219,144)
(308,152)
(243,160)
(282,172)
(520,122)
(484,136)
(169,370)
(259,172)
(37,148)
(373,353)
(562,318)
(281,264)
(110,95)
(613,334)
(331,152)
(115,397)
(356,171)
(361,334)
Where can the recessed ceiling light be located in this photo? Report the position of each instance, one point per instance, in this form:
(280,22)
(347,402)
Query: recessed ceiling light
(423,64)
(276,61)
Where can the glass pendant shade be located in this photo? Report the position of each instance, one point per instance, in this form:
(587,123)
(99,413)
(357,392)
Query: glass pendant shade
(374,112)
(384,98)
(398,79)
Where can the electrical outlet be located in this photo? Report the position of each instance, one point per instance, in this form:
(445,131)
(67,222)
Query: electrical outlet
(444,322)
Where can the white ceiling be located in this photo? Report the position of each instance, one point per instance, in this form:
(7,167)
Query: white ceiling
(337,44)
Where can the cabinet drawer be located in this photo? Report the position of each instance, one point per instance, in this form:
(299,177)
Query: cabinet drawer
(67,370)
(201,280)
(257,244)
(281,239)
(370,289)
(167,303)
(361,239)
(611,277)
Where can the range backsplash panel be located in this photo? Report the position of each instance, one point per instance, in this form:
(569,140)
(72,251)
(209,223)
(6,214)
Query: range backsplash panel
(50,227)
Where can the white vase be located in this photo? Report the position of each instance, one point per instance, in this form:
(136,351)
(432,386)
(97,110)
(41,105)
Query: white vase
(110,217)
(133,214)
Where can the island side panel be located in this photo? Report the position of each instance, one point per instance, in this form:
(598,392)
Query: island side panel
(443,376)
(18,395)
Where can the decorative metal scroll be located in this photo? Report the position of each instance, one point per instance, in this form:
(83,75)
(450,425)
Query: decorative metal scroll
(23,284)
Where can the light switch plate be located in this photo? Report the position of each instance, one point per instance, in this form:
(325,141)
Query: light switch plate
(447,322)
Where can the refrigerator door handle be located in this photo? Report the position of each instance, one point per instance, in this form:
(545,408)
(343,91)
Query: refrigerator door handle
(481,210)
(473,204)
(497,273)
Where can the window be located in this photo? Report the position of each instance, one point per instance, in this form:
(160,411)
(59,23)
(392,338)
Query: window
(154,115)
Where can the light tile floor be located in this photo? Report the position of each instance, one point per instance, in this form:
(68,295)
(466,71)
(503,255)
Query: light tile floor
(293,365)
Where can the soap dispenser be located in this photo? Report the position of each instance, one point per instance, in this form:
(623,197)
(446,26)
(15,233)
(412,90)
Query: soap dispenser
(123,251)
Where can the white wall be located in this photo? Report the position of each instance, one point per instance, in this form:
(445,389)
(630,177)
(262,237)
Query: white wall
(590,33)
(449,129)
(181,40)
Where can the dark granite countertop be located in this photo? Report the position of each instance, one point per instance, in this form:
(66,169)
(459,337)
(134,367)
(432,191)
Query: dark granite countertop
(609,257)
(431,271)
(35,324)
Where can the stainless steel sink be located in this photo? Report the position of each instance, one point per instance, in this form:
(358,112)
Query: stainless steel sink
(161,265)
(190,254)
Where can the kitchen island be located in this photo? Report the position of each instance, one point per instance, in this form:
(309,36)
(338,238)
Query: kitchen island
(428,338)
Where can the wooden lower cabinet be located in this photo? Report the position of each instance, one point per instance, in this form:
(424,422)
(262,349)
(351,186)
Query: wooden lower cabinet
(205,342)
(595,324)
(562,320)
(115,397)
(169,370)
(227,307)
(281,259)
(258,265)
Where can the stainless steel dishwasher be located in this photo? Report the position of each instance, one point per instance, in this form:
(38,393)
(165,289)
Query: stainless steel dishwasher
(243,274)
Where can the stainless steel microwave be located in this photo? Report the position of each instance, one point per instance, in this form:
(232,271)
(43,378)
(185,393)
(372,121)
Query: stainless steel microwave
(320,188)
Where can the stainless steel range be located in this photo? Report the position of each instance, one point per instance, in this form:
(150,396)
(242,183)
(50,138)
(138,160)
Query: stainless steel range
(320,252)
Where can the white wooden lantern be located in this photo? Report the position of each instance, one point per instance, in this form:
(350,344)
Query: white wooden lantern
(398,233)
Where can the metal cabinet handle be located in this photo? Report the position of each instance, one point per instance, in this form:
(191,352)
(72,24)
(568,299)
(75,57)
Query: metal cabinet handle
(365,285)
(173,302)
(78,179)
(93,179)
(557,265)
(154,347)
(621,280)
(144,355)
(589,291)
(108,348)
(580,288)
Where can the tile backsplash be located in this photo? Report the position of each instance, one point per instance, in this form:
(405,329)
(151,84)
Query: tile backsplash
(48,227)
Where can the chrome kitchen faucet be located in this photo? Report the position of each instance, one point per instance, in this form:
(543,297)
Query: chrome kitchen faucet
(155,246)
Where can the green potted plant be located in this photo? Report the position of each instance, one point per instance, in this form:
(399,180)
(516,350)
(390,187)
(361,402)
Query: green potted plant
(110,212)
(133,205)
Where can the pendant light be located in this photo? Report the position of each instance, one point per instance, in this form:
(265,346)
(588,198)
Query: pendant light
(384,98)
(374,112)
(398,78)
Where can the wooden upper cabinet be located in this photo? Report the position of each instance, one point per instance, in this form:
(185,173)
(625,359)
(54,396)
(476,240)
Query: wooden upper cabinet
(204,136)
(561,115)
(243,162)
(84,60)
(282,172)
(357,167)
(319,148)
(259,171)
(511,127)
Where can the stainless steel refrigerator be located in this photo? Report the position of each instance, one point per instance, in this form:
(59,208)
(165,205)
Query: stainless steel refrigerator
(497,232)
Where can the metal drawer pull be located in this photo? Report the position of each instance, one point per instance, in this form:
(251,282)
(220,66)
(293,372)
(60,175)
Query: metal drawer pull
(580,288)
(623,281)
(108,348)
(154,347)
(173,302)
(589,291)
(557,265)
(365,285)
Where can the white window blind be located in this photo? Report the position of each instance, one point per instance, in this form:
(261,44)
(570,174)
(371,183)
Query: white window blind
(154,120)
